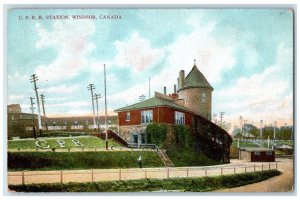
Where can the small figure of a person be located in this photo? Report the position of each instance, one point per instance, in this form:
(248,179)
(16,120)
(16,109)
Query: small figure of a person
(140,161)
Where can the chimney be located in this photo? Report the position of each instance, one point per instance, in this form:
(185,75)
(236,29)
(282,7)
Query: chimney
(175,89)
(181,79)
(165,90)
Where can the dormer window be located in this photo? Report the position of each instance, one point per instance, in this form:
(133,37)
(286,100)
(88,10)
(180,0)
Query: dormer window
(203,97)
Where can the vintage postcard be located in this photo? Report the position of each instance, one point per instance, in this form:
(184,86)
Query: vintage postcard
(150,100)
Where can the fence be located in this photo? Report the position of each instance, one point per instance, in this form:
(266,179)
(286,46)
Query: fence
(95,175)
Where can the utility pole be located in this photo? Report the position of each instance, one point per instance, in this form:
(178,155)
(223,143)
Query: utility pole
(32,112)
(43,106)
(274,137)
(96,97)
(106,138)
(261,125)
(142,97)
(92,87)
(221,116)
(33,79)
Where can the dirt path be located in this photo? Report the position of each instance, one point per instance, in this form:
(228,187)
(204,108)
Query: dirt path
(282,183)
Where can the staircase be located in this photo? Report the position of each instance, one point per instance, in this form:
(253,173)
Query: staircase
(111,135)
(165,158)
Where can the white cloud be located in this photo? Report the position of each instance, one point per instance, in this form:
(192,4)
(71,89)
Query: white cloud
(61,89)
(212,57)
(70,39)
(73,104)
(137,53)
(13,98)
(265,95)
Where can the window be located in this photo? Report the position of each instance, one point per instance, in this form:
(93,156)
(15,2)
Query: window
(257,153)
(179,118)
(128,116)
(203,97)
(147,116)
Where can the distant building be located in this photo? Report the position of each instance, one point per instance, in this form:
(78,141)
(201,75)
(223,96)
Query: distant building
(190,106)
(21,124)
(14,108)
(257,154)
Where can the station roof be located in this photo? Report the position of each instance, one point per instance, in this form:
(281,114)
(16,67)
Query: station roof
(153,102)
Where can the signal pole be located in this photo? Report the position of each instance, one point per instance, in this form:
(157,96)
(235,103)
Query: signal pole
(106,139)
(43,106)
(33,79)
(96,97)
(92,87)
(32,111)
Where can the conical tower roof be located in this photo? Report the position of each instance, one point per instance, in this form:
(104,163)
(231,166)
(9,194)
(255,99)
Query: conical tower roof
(195,79)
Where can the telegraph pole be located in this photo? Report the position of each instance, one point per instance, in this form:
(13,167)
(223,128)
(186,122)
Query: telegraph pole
(261,125)
(142,97)
(96,97)
(92,87)
(33,79)
(221,117)
(106,138)
(32,112)
(43,106)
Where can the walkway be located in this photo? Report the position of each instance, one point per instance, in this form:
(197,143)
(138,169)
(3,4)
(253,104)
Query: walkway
(91,175)
(282,183)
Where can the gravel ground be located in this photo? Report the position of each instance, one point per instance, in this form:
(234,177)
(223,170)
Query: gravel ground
(282,183)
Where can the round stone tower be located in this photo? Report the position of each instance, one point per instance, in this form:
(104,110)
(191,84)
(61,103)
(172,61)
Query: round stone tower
(196,92)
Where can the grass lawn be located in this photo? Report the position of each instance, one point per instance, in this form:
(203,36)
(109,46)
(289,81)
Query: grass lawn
(186,157)
(18,161)
(244,144)
(203,184)
(87,141)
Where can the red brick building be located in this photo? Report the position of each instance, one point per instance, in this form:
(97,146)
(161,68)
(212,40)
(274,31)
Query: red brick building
(189,106)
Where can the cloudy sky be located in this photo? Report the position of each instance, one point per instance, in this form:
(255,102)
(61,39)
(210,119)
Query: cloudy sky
(246,55)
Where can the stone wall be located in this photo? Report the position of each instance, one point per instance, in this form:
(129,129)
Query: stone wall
(193,100)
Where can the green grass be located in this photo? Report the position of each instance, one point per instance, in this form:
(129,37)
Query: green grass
(186,157)
(203,184)
(87,141)
(18,161)
(244,144)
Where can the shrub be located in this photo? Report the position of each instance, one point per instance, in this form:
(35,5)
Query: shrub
(156,134)
(183,137)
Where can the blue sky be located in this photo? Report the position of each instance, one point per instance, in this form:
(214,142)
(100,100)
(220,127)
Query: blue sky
(246,55)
